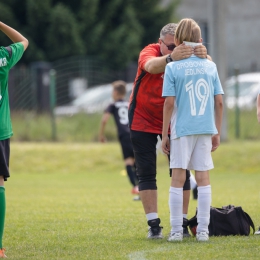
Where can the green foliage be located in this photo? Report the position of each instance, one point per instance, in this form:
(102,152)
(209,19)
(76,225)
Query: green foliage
(8,18)
(38,18)
(70,201)
(154,18)
(113,31)
(121,34)
(62,37)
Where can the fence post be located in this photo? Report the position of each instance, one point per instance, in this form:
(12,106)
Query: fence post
(237,109)
(53,103)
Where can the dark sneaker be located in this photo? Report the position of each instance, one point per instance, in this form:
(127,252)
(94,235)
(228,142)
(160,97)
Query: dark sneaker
(155,230)
(195,193)
(257,232)
(185,228)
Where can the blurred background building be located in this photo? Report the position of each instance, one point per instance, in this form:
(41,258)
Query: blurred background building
(240,29)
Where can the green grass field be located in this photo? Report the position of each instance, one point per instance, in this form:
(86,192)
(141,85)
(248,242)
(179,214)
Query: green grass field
(71,201)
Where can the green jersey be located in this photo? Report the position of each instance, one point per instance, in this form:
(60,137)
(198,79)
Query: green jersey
(8,58)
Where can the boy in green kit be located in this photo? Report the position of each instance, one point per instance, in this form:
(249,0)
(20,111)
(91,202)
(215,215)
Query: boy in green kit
(9,56)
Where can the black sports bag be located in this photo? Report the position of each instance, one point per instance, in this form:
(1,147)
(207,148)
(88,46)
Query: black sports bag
(226,221)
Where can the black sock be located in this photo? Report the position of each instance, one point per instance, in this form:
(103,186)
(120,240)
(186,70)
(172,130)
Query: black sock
(131,174)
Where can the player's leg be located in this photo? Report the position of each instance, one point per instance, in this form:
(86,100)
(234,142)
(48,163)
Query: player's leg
(186,196)
(4,174)
(130,169)
(204,202)
(2,215)
(144,146)
(129,161)
(181,150)
(176,204)
(202,163)
(186,200)
(193,186)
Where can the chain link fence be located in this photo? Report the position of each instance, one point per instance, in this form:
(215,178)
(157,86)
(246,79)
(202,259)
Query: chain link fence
(29,93)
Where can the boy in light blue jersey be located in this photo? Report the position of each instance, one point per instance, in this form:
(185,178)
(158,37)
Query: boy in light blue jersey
(194,82)
(193,107)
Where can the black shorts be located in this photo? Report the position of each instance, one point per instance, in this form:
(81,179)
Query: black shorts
(126,146)
(4,158)
(144,145)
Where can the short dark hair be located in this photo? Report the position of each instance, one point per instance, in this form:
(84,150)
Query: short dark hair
(119,86)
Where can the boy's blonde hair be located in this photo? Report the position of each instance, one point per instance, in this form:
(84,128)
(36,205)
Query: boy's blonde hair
(187,30)
(120,87)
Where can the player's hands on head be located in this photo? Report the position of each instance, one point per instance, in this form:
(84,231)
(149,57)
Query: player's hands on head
(200,51)
(166,145)
(181,52)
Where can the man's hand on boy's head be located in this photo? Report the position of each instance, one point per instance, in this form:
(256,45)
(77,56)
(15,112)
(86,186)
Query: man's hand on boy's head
(200,51)
(181,52)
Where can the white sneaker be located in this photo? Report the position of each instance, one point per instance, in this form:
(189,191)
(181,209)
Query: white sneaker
(136,198)
(257,232)
(175,237)
(202,236)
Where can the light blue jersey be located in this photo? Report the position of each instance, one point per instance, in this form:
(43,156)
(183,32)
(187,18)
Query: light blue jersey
(194,82)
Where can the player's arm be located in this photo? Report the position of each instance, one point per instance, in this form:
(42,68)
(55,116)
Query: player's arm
(14,35)
(258,108)
(156,65)
(167,113)
(103,123)
(218,121)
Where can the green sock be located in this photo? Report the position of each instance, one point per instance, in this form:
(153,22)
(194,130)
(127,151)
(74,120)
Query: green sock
(2,214)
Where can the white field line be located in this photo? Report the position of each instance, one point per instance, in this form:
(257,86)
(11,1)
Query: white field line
(141,255)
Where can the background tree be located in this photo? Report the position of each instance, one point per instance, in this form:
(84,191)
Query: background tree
(8,17)
(63,38)
(113,31)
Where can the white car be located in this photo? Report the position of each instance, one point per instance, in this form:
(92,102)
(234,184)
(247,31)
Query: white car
(93,100)
(248,89)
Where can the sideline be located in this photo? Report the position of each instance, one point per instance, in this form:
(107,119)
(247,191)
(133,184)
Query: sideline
(141,255)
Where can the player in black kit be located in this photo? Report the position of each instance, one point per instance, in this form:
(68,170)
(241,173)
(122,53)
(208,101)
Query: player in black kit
(119,110)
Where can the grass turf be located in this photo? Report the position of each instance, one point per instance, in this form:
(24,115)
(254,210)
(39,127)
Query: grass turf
(71,201)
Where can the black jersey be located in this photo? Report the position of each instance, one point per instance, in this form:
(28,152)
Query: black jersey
(119,110)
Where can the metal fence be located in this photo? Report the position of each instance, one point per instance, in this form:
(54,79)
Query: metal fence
(29,86)
(29,90)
